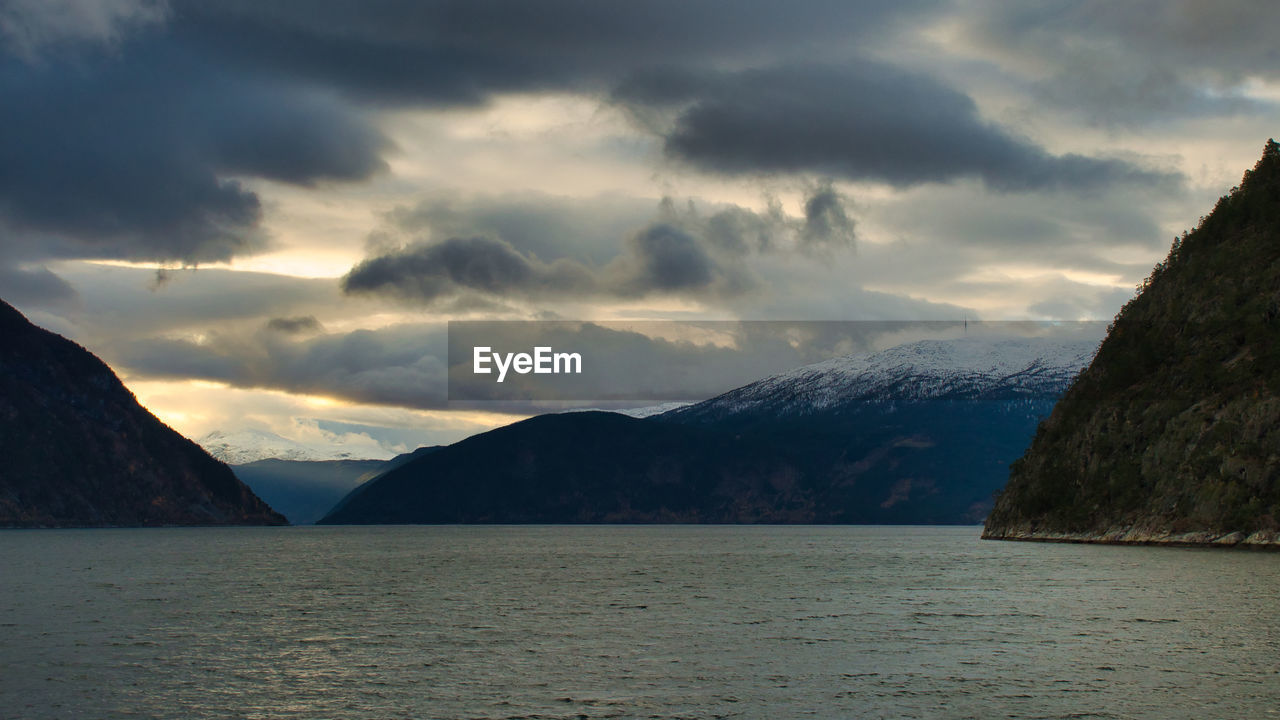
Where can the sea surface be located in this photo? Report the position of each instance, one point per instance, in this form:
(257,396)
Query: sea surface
(627,621)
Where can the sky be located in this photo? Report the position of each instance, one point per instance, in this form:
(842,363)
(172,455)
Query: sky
(262,214)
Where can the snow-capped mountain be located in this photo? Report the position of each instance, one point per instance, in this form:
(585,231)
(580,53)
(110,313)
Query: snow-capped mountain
(963,368)
(920,433)
(249,445)
(638,412)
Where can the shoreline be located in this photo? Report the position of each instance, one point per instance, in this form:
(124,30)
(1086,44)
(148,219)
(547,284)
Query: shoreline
(1264,540)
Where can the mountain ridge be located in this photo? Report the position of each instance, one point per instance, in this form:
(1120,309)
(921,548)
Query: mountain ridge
(79,451)
(925,369)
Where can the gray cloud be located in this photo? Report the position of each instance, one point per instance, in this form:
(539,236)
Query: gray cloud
(127,153)
(426,272)
(545,226)
(116,303)
(450,52)
(826,220)
(861,121)
(682,251)
(659,259)
(32,28)
(132,139)
(1074,302)
(295,325)
(1133,63)
(402,365)
(668,259)
(34,286)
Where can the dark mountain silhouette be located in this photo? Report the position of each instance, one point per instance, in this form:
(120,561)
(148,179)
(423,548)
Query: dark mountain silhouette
(78,450)
(1172,435)
(588,467)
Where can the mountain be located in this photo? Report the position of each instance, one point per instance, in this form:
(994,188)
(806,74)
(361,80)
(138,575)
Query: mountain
(303,491)
(78,450)
(970,368)
(587,467)
(250,444)
(1172,433)
(921,433)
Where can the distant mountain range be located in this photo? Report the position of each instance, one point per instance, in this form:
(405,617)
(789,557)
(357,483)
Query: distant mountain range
(79,451)
(920,433)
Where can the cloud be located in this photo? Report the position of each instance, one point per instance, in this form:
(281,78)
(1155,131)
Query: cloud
(402,365)
(677,251)
(862,121)
(30,28)
(665,258)
(137,130)
(426,272)
(549,227)
(659,259)
(137,153)
(34,286)
(117,304)
(826,220)
(459,52)
(295,325)
(1132,63)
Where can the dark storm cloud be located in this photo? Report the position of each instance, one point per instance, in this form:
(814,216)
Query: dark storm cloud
(126,125)
(128,153)
(129,131)
(460,51)
(861,121)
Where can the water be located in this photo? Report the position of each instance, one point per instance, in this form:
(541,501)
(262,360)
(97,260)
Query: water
(601,622)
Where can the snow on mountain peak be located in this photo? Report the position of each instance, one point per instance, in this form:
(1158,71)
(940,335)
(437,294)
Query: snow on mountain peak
(913,371)
(250,444)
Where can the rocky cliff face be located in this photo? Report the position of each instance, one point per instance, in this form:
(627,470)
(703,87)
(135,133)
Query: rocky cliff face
(77,450)
(1172,435)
